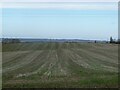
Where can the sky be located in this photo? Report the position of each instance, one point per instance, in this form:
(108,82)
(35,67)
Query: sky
(59,0)
(58,20)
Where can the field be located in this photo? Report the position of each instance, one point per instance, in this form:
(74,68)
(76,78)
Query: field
(0,65)
(60,65)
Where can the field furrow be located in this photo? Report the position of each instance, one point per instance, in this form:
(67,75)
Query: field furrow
(60,65)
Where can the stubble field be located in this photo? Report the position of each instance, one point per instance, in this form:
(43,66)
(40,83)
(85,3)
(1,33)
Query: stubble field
(60,65)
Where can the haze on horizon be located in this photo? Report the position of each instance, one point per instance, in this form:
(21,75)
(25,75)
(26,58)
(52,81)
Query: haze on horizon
(60,20)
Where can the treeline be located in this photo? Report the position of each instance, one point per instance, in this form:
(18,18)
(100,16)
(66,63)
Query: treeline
(10,40)
(114,41)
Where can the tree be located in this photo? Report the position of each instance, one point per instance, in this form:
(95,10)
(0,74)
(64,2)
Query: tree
(95,41)
(111,40)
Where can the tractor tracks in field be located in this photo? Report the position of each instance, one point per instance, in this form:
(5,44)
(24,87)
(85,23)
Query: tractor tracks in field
(28,58)
(58,59)
(97,61)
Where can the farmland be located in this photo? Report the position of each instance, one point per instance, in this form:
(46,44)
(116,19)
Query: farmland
(60,65)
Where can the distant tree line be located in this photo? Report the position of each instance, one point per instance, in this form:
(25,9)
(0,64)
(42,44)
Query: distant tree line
(114,41)
(9,40)
(6,40)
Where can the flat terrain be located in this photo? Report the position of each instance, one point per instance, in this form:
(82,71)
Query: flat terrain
(60,65)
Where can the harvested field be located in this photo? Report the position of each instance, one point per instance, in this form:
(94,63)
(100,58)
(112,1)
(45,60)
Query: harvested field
(60,65)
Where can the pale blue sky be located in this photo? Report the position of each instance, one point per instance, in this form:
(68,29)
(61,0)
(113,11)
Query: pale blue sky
(61,20)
